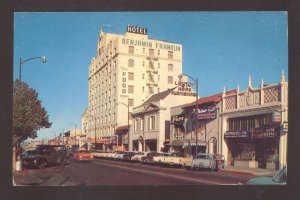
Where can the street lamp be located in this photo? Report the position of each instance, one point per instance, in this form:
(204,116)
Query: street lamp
(195,82)
(127,105)
(22,62)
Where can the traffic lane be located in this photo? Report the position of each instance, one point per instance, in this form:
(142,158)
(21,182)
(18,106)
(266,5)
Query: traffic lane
(204,175)
(98,173)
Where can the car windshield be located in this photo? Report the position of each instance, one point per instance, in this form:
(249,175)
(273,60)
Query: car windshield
(280,177)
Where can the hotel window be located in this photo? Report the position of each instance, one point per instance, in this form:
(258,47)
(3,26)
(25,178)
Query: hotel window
(115,77)
(170,67)
(130,89)
(130,63)
(109,93)
(170,79)
(130,76)
(158,90)
(143,76)
(158,52)
(151,123)
(115,51)
(170,54)
(143,63)
(131,49)
(114,117)
(114,103)
(151,52)
(143,50)
(130,102)
(150,90)
(114,90)
(143,89)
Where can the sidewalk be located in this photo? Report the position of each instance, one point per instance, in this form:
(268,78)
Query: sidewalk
(250,171)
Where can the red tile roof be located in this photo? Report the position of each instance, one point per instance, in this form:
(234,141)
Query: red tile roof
(209,99)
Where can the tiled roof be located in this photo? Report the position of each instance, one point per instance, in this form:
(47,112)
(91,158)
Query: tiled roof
(209,99)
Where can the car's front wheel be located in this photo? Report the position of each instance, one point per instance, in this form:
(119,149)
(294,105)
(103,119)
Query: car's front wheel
(42,164)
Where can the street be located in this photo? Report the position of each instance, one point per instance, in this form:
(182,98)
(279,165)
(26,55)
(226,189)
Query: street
(109,172)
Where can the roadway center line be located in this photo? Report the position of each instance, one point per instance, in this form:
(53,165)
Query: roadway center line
(159,174)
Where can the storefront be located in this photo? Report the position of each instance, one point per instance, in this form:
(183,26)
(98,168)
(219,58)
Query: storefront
(253,124)
(122,137)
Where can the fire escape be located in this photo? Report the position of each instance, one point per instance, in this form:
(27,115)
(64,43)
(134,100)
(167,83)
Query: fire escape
(152,74)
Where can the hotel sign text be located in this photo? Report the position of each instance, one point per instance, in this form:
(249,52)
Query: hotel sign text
(138,30)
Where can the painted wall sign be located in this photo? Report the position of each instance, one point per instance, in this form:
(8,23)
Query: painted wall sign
(150,44)
(137,30)
(124,85)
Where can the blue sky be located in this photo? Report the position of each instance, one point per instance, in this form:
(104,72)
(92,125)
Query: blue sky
(220,48)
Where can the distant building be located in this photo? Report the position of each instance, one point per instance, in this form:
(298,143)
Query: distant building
(127,69)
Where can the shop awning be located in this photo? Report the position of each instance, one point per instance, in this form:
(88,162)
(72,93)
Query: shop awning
(177,143)
(122,129)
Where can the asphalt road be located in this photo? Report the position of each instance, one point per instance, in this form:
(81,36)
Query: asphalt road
(108,172)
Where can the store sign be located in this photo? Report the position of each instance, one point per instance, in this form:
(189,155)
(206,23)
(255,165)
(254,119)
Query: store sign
(177,119)
(206,113)
(124,85)
(236,134)
(137,30)
(276,117)
(265,132)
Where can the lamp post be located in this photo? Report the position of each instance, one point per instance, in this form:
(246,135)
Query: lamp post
(23,61)
(196,105)
(127,105)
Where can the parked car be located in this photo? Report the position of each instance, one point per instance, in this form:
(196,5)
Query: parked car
(173,159)
(119,155)
(206,161)
(44,156)
(138,156)
(158,160)
(128,155)
(83,155)
(149,158)
(278,179)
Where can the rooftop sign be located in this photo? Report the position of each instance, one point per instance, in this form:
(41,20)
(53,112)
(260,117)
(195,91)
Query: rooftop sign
(137,30)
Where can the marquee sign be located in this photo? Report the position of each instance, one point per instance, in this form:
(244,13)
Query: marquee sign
(137,30)
(237,134)
(184,89)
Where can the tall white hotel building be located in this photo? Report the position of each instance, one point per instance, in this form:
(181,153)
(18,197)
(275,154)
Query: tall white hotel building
(126,70)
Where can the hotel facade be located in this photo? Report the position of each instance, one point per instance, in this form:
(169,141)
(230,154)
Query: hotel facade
(127,69)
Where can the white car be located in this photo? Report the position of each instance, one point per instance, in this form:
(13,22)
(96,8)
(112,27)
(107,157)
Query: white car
(138,156)
(160,158)
(174,159)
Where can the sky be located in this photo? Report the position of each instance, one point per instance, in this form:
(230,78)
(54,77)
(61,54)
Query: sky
(219,48)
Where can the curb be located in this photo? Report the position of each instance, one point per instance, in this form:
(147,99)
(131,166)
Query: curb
(237,172)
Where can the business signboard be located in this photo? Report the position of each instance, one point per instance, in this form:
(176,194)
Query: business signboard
(237,134)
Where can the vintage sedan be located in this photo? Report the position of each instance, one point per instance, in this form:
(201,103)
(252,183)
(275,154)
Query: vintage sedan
(278,179)
(159,159)
(149,158)
(206,161)
(174,159)
(83,155)
(138,156)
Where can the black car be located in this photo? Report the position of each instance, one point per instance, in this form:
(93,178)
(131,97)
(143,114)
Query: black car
(127,155)
(42,157)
